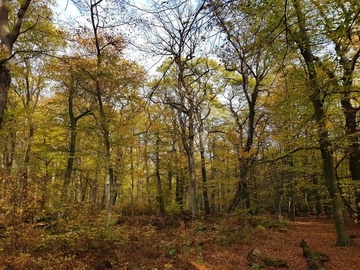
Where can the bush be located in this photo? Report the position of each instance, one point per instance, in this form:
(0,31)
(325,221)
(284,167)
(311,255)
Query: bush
(267,223)
(66,244)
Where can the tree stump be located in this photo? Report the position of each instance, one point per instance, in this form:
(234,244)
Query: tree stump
(257,257)
(315,259)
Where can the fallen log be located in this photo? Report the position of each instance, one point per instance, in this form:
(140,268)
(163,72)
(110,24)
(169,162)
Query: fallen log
(315,259)
(257,258)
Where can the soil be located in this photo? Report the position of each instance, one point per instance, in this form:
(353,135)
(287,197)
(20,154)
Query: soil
(224,244)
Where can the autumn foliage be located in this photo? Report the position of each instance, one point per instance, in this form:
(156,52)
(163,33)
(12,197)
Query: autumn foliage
(179,134)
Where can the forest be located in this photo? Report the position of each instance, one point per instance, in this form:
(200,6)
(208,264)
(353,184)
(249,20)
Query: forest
(163,126)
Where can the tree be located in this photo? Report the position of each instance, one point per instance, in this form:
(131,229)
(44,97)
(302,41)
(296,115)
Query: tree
(176,26)
(248,54)
(80,103)
(164,150)
(303,41)
(293,168)
(10,30)
(30,80)
(100,40)
(341,22)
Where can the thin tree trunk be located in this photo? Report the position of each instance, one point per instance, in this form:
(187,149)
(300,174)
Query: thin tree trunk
(9,152)
(317,196)
(203,168)
(203,173)
(132,196)
(70,161)
(180,180)
(72,144)
(146,157)
(103,117)
(159,198)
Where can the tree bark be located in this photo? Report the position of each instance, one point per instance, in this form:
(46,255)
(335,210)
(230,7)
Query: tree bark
(187,131)
(350,114)
(179,197)
(257,258)
(315,259)
(203,170)
(103,116)
(242,188)
(71,88)
(72,146)
(5,78)
(159,198)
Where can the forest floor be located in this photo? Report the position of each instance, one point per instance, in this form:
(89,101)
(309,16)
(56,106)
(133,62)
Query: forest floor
(209,245)
(173,242)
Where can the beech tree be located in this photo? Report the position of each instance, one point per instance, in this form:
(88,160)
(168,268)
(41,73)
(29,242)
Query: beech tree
(100,40)
(80,103)
(341,22)
(30,81)
(248,54)
(176,28)
(304,42)
(12,16)
(292,149)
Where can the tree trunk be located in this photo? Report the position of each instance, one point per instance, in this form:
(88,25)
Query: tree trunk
(180,180)
(245,163)
(291,213)
(203,171)
(242,191)
(188,144)
(193,198)
(317,196)
(5,78)
(352,134)
(70,161)
(279,200)
(72,144)
(159,198)
(132,195)
(258,259)
(351,130)
(315,259)
(337,208)
(147,172)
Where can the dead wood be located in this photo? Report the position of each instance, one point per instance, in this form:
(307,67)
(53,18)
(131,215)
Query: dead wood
(257,257)
(315,259)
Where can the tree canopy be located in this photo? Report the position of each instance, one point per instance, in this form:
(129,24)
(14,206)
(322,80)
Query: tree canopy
(164,107)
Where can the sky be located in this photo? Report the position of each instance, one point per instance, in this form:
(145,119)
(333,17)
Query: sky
(69,14)
(67,10)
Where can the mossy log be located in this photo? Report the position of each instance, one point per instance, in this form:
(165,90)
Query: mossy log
(315,259)
(257,257)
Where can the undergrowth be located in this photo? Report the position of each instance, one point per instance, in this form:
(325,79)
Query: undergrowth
(149,242)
